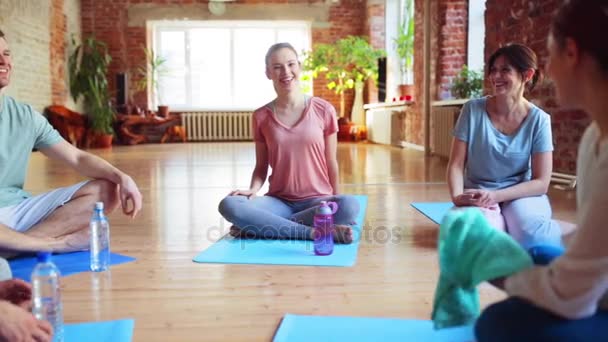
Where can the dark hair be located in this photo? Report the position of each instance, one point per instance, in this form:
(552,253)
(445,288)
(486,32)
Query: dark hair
(586,22)
(2,34)
(521,57)
(276,47)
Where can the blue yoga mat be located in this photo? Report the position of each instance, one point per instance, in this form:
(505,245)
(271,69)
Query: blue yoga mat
(295,328)
(433,210)
(68,263)
(108,331)
(283,252)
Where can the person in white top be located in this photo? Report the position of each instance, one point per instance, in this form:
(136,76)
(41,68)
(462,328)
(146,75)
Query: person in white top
(567,299)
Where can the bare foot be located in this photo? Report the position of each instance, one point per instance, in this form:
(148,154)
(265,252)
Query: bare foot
(343,234)
(77,241)
(238,233)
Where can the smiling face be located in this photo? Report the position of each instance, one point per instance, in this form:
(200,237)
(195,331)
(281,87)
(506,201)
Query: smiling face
(5,64)
(505,79)
(284,70)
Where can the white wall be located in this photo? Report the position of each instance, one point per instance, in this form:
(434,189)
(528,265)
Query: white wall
(26,26)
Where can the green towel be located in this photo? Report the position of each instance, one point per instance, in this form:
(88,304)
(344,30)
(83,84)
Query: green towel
(470,252)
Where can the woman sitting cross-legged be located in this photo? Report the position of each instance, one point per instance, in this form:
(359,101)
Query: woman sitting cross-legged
(501,158)
(296,136)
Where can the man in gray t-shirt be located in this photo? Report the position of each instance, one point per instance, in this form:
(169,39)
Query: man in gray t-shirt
(56,220)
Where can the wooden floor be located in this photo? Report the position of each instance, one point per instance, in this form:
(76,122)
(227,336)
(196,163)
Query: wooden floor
(172,298)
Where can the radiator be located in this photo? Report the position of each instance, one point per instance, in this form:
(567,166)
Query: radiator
(443,119)
(217,126)
(385,124)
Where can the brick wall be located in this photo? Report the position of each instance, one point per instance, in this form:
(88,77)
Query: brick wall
(58,30)
(26,24)
(124,31)
(529,22)
(38,33)
(414,119)
(449,20)
(452,21)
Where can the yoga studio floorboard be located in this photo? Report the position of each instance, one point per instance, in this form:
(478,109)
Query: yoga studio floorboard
(172,298)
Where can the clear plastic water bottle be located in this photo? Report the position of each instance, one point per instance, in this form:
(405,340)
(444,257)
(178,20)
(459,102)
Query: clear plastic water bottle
(100,240)
(47,294)
(323,223)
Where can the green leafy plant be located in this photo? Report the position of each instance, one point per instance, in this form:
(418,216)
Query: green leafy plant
(88,67)
(467,84)
(404,43)
(150,72)
(344,63)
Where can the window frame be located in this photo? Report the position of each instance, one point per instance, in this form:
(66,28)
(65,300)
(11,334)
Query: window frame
(158,27)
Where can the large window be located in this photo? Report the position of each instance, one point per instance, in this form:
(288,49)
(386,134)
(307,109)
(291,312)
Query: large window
(396,15)
(476,35)
(219,65)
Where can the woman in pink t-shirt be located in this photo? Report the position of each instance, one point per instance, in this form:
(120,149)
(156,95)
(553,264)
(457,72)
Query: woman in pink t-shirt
(296,136)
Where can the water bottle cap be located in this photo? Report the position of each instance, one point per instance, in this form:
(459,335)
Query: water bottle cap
(324,209)
(98,205)
(44,256)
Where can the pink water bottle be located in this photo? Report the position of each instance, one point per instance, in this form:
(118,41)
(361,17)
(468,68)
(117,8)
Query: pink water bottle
(324,228)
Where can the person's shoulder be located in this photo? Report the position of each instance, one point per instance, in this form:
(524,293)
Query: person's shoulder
(474,108)
(16,107)
(321,106)
(590,136)
(317,101)
(538,114)
(263,111)
(11,102)
(477,104)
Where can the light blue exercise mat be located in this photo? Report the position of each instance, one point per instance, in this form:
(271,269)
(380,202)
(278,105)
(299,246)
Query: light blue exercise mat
(68,263)
(437,210)
(108,331)
(231,250)
(433,210)
(296,328)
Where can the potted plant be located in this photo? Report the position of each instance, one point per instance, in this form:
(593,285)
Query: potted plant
(404,47)
(467,84)
(88,67)
(346,64)
(149,74)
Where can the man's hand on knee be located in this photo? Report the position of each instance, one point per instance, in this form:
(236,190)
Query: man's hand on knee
(130,197)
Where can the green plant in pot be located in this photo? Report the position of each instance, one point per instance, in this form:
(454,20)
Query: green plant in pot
(346,64)
(88,67)
(149,74)
(404,47)
(467,84)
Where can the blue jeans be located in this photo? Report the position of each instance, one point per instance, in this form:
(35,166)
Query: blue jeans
(274,218)
(515,319)
(529,222)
